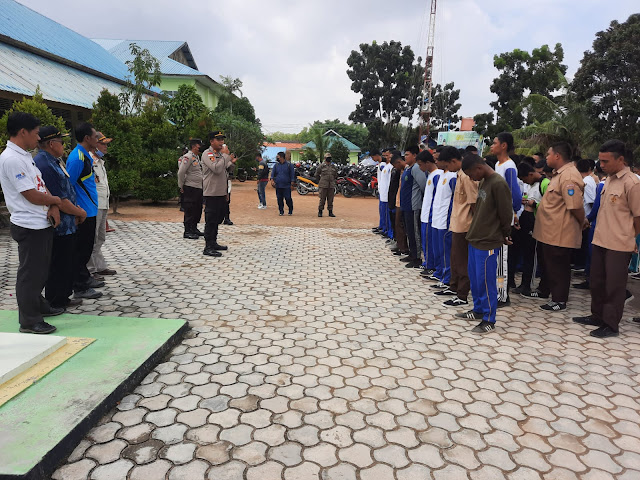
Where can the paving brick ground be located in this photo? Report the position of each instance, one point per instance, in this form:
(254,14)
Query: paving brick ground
(306,360)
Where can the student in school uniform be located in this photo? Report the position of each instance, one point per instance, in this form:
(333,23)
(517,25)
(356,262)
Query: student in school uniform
(490,228)
(613,241)
(442,205)
(464,199)
(559,222)
(433,176)
(502,147)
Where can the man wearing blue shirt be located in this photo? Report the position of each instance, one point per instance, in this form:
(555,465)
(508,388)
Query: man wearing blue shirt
(282,178)
(80,169)
(59,286)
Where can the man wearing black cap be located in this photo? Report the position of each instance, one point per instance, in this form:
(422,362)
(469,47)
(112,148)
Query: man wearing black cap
(59,286)
(216,167)
(327,174)
(190,183)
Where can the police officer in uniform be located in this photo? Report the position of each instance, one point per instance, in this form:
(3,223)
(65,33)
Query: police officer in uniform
(216,167)
(190,183)
(327,174)
(613,241)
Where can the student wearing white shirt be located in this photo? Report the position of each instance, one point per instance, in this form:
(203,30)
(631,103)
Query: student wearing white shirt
(384,178)
(33,214)
(382,226)
(433,176)
(441,216)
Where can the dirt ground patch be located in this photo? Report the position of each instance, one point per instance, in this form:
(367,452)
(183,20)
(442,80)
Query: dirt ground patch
(356,212)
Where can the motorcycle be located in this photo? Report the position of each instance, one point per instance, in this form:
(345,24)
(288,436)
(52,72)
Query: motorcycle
(364,186)
(306,185)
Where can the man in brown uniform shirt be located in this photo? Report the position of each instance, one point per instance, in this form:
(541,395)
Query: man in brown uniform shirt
(216,167)
(464,199)
(559,223)
(613,241)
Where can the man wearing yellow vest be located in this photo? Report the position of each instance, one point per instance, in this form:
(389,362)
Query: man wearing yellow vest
(81,176)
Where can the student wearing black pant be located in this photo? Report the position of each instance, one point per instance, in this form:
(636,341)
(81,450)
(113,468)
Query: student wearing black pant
(33,212)
(59,286)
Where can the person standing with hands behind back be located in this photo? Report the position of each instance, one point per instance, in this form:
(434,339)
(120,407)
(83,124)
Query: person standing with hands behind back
(327,174)
(33,212)
(490,229)
(216,167)
(283,177)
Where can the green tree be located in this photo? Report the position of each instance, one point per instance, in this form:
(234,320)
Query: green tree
(387,78)
(237,106)
(244,138)
(144,74)
(123,156)
(339,151)
(539,72)
(444,107)
(37,108)
(185,107)
(608,81)
(355,133)
(486,126)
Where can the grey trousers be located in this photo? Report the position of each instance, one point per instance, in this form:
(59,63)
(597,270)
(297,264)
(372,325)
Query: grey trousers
(97,262)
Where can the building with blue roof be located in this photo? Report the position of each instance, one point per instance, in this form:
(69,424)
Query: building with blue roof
(70,70)
(177,66)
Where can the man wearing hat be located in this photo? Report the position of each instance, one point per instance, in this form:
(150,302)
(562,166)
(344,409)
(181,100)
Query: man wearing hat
(190,183)
(59,285)
(97,264)
(216,167)
(327,174)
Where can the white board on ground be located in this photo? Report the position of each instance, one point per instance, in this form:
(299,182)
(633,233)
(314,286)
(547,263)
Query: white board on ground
(20,351)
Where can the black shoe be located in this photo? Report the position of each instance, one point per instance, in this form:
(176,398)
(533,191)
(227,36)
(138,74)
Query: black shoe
(41,328)
(98,277)
(219,247)
(93,283)
(582,285)
(534,294)
(455,302)
(319,213)
(290,212)
(406,259)
(525,292)
(554,306)
(398,253)
(74,302)
(199,233)
(413,264)
(376,229)
(588,320)
(636,319)
(470,315)
(394,250)
(227,221)
(331,213)
(440,285)
(604,332)
(211,252)
(190,236)
(506,303)
(446,293)
(281,213)
(484,327)
(89,293)
(54,312)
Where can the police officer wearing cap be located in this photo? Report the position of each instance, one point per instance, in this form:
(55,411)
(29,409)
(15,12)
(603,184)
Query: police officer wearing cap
(190,183)
(327,174)
(59,285)
(216,167)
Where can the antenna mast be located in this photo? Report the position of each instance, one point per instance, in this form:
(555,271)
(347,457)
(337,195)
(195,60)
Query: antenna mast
(425,107)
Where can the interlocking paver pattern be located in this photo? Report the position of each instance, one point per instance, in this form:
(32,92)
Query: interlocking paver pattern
(309,359)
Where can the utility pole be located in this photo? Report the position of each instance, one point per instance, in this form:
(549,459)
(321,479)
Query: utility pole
(426,104)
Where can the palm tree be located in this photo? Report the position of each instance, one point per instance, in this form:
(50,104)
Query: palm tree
(561,119)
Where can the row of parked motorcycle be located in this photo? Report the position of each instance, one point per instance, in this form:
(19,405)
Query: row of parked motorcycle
(352,180)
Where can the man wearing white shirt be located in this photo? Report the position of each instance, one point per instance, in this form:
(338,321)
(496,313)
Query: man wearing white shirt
(33,214)
(384,179)
(430,262)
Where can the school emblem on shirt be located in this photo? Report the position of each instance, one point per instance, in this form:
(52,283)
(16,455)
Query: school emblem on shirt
(429,182)
(444,181)
(570,190)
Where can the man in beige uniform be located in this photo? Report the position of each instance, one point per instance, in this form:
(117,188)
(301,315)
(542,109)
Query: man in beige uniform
(327,174)
(190,183)
(216,167)
(559,223)
(613,241)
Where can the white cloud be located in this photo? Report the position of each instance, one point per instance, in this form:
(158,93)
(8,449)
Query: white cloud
(292,56)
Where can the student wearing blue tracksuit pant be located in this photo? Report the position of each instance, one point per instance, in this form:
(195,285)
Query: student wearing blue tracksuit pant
(440,219)
(489,230)
(433,177)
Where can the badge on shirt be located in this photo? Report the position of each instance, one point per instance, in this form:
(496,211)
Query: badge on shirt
(444,182)
(21,175)
(429,182)
(570,190)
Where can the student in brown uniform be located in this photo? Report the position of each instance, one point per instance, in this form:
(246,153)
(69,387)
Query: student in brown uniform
(559,223)
(464,200)
(613,241)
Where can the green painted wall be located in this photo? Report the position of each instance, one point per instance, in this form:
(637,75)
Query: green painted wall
(209,97)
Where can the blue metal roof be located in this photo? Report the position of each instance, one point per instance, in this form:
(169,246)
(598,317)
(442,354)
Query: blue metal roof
(22,72)
(160,49)
(29,27)
(350,145)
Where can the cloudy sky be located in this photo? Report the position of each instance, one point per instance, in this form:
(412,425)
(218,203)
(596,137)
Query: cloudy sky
(291,55)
